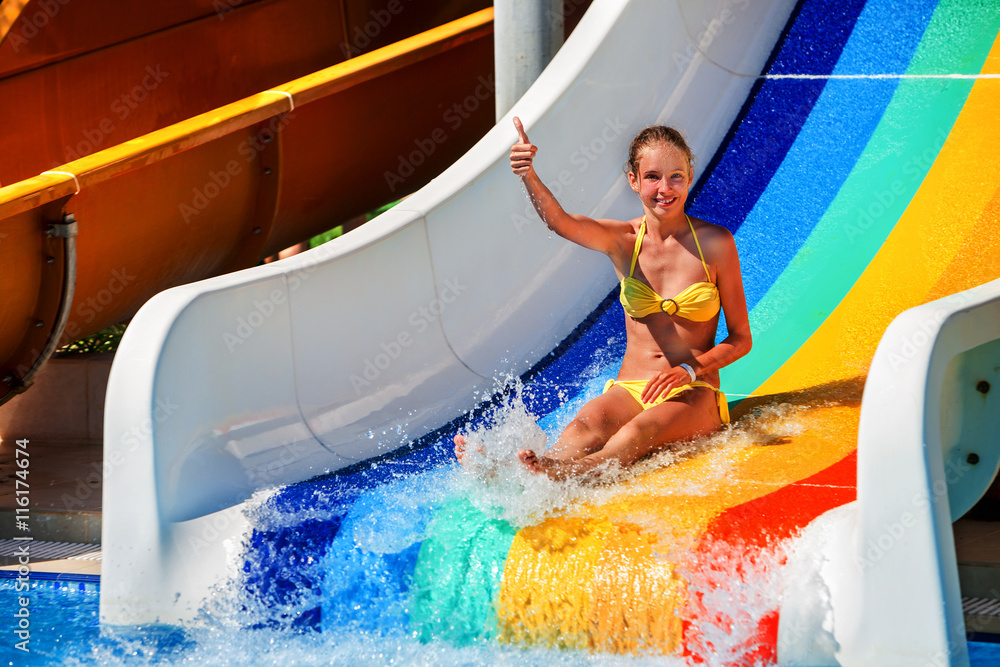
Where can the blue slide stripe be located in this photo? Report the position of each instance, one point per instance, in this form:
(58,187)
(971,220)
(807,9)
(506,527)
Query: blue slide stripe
(829,142)
(774,113)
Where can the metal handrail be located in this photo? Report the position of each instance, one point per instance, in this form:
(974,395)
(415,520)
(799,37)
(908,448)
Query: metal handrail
(72,177)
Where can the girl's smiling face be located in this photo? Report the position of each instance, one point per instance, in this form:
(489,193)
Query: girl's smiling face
(663,178)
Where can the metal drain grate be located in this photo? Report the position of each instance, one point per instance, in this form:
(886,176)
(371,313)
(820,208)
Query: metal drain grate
(40,550)
(980,607)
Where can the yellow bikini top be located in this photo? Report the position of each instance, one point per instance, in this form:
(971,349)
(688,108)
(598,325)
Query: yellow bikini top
(699,302)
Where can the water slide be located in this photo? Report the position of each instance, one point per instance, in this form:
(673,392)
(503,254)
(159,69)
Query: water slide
(848,148)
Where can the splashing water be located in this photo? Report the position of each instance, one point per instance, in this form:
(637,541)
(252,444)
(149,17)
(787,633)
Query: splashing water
(337,570)
(495,480)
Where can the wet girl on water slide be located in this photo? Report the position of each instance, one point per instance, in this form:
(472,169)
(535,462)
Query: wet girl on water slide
(667,388)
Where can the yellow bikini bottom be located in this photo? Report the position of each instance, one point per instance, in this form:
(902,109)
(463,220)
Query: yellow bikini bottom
(635,388)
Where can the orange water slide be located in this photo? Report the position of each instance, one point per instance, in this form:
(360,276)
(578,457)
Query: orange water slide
(83,75)
(192,138)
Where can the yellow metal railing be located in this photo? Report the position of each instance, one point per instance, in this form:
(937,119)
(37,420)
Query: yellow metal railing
(70,178)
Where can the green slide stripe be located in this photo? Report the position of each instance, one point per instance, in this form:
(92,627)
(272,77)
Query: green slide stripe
(458,574)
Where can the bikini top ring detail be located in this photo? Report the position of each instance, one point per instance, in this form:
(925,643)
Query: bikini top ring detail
(700,302)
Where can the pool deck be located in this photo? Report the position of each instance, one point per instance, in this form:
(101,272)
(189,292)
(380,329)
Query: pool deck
(64,487)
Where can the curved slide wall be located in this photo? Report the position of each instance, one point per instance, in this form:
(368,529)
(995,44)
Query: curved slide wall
(279,373)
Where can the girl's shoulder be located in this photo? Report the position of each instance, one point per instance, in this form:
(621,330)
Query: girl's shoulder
(624,234)
(715,240)
(709,231)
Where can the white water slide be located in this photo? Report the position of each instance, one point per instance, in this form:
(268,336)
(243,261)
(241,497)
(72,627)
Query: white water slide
(282,372)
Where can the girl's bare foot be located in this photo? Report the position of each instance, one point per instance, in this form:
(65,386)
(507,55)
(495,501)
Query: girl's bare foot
(530,460)
(557,469)
(554,468)
(460,449)
(460,443)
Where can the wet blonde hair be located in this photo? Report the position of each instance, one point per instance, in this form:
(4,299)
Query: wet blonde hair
(652,135)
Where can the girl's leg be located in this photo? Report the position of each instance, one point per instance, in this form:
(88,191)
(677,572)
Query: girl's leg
(596,422)
(594,425)
(691,414)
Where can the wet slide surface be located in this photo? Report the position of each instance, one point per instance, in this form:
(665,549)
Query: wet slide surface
(858,182)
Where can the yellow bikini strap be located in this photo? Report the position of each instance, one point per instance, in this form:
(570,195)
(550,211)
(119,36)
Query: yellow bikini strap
(638,245)
(700,253)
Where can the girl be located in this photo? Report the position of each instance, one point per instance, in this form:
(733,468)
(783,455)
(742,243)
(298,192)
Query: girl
(667,388)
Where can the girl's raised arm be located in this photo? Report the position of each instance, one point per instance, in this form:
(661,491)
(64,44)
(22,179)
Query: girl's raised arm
(587,232)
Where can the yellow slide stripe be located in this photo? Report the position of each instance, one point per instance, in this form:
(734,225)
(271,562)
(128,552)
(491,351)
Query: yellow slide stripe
(948,218)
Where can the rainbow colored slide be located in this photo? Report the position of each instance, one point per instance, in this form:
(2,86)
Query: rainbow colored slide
(850,149)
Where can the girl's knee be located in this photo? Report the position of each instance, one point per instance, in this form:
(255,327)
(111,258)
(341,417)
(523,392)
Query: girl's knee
(595,426)
(638,430)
